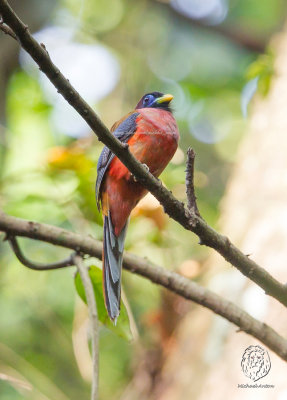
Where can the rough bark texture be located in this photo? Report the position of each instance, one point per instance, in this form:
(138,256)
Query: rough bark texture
(205,363)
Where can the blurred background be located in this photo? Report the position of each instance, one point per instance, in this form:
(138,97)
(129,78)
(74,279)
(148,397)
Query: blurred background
(213,56)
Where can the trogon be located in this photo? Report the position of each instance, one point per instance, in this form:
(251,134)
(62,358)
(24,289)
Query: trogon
(152,135)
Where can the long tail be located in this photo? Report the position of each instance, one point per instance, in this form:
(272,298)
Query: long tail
(112,266)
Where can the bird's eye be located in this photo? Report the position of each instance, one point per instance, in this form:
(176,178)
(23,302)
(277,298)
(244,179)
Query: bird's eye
(147,100)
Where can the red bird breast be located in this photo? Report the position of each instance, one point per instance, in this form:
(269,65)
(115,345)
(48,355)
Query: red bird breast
(154,142)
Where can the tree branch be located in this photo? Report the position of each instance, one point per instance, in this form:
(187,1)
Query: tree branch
(36,266)
(8,31)
(189,183)
(170,280)
(93,315)
(174,208)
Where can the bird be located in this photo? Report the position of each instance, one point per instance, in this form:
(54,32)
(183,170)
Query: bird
(152,135)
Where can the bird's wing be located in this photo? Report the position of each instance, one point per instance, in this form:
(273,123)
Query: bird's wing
(122,130)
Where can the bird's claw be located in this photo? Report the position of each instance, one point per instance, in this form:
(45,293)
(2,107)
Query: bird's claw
(145,167)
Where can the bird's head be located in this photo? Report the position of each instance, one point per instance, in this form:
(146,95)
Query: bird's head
(155,100)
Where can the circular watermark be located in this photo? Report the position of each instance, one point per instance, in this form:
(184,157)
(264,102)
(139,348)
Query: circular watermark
(255,363)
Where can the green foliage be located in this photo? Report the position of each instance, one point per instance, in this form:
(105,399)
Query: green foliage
(122,327)
(104,17)
(262,69)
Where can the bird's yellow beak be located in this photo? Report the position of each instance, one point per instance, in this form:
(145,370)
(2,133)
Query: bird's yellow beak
(164,99)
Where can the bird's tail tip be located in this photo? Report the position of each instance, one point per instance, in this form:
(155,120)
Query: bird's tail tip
(112,310)
(112,265)
(115,319)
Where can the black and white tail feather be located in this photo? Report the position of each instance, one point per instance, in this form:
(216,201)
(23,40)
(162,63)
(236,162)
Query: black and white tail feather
(112,266)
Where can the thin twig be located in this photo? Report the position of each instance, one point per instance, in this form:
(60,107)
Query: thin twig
(5,29)
(37,266)
(93,315)
(173,207)
(189,181)
(170,280)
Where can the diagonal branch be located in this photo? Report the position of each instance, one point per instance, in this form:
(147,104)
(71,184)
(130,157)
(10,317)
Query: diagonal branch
(174,208)
(170,280)
(93,315)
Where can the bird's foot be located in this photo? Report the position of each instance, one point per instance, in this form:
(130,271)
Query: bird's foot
(145,167)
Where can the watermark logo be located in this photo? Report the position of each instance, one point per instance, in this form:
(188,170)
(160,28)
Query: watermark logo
(255,362)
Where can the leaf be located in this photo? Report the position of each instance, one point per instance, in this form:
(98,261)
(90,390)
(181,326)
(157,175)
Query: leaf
(263,70)
(122,328)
